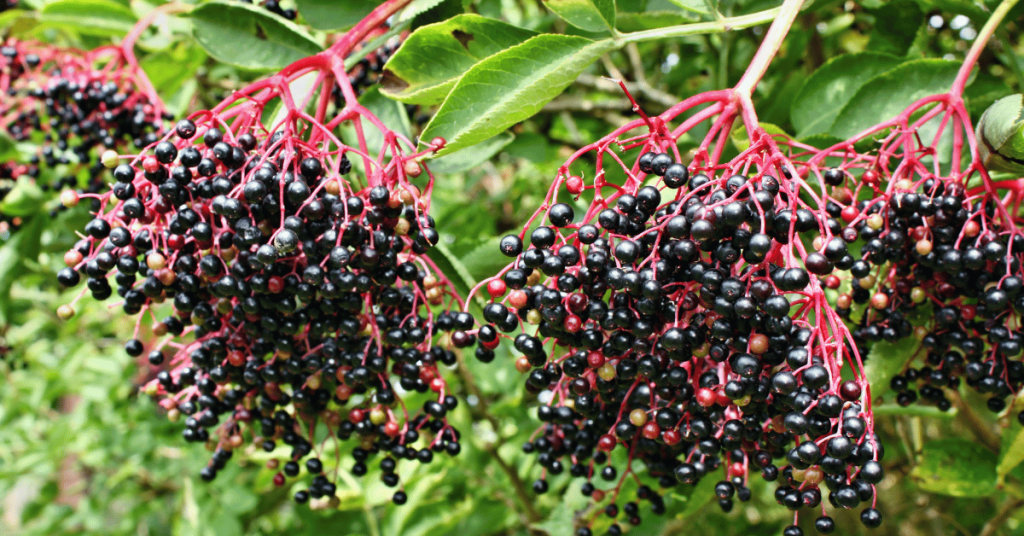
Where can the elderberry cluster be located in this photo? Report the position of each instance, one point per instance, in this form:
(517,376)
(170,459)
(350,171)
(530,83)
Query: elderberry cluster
(675,339)
(930,247)
(72,108)
(300,299)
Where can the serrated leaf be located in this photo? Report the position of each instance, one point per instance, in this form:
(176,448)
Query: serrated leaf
(886,95)
(249,36)
(93,17)
(471,157)
(824,93)
(24,199)
(956,467)
(434,57)
(885,360)
(589,15)
(511,86)
(332,14)
(1000,134)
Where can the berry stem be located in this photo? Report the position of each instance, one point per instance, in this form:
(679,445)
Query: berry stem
(769,47)
(378,16)
(974,53)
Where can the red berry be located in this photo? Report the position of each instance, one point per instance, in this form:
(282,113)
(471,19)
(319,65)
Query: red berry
(496,288)
(706,397)
(574,185)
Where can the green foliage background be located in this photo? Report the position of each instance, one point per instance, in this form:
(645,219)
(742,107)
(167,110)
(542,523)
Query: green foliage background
(82,451)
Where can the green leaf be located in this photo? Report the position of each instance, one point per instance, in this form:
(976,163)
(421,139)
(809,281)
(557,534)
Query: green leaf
(481,262)
(830,88)
(886,95)
(821,141)
(895,28)
(885,360)
(10,266)
(332,14)
(238,500)
(632,6)
(963,7)
(693,498)
(414,9)
(434,57)
(956,467)
(1011,451)
(741,140)
(93,17)
(984,91)
(169,70)
(589,15)
(8,149)
(511,86)
(696,6)
(24,246)
(1000,133)
(24,199)
(471,157)
(249,36)
(649,20)
(450,264)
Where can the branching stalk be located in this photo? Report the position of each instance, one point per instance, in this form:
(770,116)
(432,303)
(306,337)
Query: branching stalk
(979,44)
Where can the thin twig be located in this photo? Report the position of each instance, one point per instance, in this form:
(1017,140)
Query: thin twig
(637,67)
(576,104)
(981,429)
(482,409)
(607,86)
(1001,516)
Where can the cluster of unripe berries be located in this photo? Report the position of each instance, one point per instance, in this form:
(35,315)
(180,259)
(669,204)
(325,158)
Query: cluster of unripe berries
(669,309)
(299,299)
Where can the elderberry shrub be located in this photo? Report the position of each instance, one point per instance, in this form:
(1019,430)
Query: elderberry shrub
(73,106)
(687,335)
(302,302)
(933,256)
